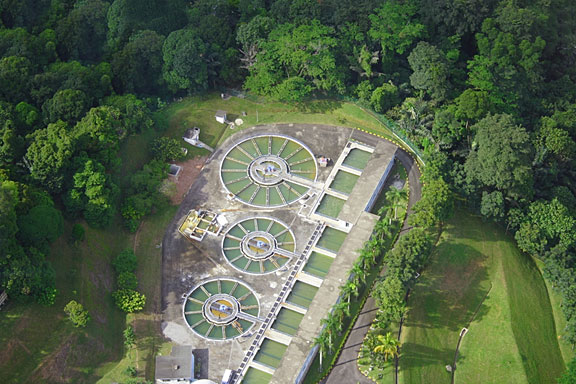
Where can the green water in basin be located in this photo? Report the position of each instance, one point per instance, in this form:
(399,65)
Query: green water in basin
(331,239)
(330,206)
(270,353)
(318,264)
(287,321)
(344,182)
(302,294)
(256,376)
(357,158)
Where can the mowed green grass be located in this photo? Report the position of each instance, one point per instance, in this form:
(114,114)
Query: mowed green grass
(199,112)
(39,345)
(477,272)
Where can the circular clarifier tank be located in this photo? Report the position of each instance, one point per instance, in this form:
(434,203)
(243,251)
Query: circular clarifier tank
(221,309)
(268,170)
(258,245)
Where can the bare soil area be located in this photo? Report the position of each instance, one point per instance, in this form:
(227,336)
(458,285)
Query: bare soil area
(190,171)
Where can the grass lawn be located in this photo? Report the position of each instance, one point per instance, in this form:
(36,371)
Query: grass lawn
(512,339)
(199,112)
(39,344)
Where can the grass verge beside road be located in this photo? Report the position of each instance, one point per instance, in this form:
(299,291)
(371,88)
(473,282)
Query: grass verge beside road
(512,338)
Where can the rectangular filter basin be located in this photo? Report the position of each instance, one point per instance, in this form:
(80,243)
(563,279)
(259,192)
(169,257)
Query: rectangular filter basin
(357,158)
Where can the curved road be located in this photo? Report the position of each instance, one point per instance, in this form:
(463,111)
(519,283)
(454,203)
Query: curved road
(346,370)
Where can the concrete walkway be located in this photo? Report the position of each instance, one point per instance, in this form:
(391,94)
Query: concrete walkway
(346,368)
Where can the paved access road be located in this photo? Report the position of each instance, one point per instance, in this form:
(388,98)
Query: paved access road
(346,370)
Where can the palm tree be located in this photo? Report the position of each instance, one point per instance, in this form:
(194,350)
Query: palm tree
(387,346)
(321,341)
(366,258)
(331,325)
(375,245)
(349,289)
(359,273)
(340,311)
(385,210)
(383,228)
(395,196)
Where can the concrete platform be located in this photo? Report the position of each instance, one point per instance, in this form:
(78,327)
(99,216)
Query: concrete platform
(372,177)
(327,295)
(186,263)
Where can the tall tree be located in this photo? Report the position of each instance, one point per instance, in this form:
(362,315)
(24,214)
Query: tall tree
(431,72)
(138,66)
(502,157)
(185,67)
(396,26)
(295,61)
(49,155)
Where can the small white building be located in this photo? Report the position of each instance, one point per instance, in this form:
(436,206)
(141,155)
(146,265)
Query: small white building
(177,368)
(221,116)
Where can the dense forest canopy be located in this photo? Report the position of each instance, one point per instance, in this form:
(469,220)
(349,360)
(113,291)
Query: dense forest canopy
(486,88)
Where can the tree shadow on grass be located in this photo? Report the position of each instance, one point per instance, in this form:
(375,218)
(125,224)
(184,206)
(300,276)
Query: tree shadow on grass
(319,106)
(416,355)
(451,290)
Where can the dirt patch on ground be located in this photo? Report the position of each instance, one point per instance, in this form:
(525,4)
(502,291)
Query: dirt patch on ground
(457,280)
(62,365)
(190,171)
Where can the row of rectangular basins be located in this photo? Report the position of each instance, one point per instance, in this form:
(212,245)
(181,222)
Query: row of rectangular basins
(297,303)
(343,183)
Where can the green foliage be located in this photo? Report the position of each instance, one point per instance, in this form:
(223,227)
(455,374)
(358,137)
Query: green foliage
(569,377)
(41,226)
(82,34)
(384,97)
(76,314)
(296,60)
(129,300)
(49,155)
(99,134)
(436,204)
(143,193)
(93,194)
(127,280)
(502,157)
(134,114)
(125,262)
(473,104)
(138,66)
(184,65)
(78,233)
(68,105)
(15,74)
(431,72)
(129,337)
(493,205)
(395,26)
(167,149)
(547,224)
(389,295)
(409,255)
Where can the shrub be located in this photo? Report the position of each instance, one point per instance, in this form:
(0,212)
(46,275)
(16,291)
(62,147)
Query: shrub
(127,280)
(76,313)
(125,262)
(129,337)
(78,233)
(129,300)
(166,149)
